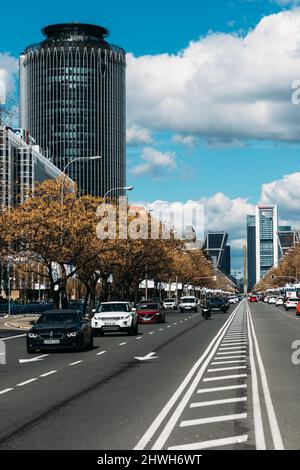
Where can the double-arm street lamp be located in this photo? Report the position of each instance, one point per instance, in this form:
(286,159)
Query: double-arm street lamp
(97,157)
(124,188)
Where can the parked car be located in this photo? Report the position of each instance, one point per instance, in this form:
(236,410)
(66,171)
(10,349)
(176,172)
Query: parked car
(115,316)
(60,329)
(188,303)
(217,305)
(291,303)
(170,304)
(150,312)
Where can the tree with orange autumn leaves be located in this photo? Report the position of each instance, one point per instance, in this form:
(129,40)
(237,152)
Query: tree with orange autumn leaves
(53,234)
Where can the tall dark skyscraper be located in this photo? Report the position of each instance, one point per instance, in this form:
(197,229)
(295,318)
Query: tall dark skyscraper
(251,251)
(72,101)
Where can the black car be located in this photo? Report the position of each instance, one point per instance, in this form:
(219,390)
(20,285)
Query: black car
(60,329)
(218,305)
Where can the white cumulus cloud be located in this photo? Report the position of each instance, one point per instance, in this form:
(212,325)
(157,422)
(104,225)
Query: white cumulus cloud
(223,87)
(136,135)
(8,75)
(155,163)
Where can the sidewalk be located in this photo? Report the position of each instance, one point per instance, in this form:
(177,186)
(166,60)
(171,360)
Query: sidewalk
(20,322)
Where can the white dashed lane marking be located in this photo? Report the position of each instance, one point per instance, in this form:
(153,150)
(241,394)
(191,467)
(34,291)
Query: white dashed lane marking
(48,373)
(213,419)
(221,389)
(5,391)
(75,363)
(217,402)
(27,382)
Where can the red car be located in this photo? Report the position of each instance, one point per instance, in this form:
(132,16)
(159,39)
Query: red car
(150,312)
(253,298)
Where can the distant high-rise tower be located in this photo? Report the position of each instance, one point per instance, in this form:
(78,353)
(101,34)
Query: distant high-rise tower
(72,101)
(251,252)
(215,245)
(266,240)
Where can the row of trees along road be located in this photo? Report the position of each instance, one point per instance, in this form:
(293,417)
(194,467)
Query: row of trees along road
(287,271)
(49,231)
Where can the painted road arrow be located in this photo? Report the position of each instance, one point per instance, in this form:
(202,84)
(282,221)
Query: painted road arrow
(34,359)
(146,358)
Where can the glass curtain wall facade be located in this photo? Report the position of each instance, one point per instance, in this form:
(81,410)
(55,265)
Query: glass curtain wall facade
(251,252)
(286,239)
(266,239)
(72,101)
(215,245)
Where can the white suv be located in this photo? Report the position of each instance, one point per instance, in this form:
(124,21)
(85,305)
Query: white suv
(170,303)
(188,303)
(114,316)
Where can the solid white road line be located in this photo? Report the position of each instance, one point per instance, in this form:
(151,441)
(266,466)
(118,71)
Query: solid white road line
(75,363)
(123,344)
(217,402)
(236,335)
(226,368)
(228,362)
(238,354)
(213,443)
(233,343)
(100,353)
(26,382)
(229,357)
(231,339)
(221,389)
(276,435)
(13,337)
(48,373)
(5,391)
(145,439)
(224,377)
(213,419)
(257,417)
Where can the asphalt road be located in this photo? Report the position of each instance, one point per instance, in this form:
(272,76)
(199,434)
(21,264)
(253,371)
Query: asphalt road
(204,387)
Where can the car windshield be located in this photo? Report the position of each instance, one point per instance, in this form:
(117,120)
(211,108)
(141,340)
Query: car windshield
(117,307)
(217,301)
(148,306)
(169,300)
(58,317)
(188,300)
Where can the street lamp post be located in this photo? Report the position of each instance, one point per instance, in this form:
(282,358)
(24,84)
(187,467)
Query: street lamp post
(125,188)
(97,157)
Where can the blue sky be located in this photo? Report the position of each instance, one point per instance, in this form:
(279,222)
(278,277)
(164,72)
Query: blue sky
(200,161)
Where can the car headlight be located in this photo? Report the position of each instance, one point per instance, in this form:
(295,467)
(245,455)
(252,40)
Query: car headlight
(32,335)
(126,318)
(72,334)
